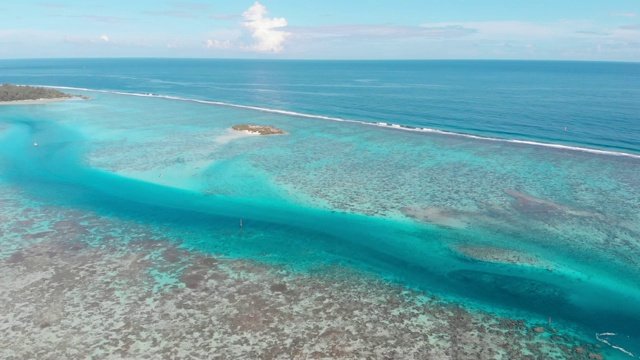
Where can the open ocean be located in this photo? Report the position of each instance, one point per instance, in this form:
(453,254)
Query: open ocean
(505,188)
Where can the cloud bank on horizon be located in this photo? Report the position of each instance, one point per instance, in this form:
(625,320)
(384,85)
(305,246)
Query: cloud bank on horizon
(411,29)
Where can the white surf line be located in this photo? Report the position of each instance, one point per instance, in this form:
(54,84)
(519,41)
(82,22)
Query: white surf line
(379,124)
(613,346)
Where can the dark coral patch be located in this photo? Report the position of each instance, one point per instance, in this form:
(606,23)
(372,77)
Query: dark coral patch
(279,287)
(192,281)
(171,255)
(16,258)
(39,235)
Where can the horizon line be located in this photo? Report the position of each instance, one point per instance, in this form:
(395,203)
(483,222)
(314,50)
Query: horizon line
(310,59)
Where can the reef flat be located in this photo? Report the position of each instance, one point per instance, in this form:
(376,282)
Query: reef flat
(151,297)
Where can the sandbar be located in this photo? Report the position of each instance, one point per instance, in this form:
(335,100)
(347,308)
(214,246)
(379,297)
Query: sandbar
(259,129)
(32,102)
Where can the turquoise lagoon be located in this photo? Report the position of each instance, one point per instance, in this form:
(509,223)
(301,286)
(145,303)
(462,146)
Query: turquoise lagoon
(514,228)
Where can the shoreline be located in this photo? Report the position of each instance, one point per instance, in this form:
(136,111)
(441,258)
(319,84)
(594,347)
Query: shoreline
(11,94)
(36,102)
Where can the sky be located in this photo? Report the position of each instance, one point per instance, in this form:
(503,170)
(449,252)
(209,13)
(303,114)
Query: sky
(601,30)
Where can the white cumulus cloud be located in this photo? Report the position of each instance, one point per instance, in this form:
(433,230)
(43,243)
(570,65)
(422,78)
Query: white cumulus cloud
(87,40)
(217,44)
(264,30)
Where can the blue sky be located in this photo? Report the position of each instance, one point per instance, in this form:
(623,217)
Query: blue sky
(329,29)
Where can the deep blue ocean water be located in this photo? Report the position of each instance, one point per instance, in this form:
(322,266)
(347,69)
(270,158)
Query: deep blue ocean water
(598,103)
(154,145)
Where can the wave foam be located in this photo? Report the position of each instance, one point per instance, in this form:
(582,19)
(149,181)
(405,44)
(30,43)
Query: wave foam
(379,124)
(613,346)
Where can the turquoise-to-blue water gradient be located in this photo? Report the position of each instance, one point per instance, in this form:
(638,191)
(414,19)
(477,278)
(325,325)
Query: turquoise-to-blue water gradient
(528,100)
(511,187)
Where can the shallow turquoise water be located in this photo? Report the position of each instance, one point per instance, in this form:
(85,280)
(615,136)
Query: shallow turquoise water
(348,193)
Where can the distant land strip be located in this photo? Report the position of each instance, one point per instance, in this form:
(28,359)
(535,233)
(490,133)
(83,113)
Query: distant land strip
(11,93)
